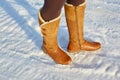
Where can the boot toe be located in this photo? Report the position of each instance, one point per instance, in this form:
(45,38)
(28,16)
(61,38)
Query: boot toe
(66,61)
(91,46)
(98,45)
(69,61)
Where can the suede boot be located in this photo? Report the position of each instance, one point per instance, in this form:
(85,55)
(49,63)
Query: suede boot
(50,45)
(75,23)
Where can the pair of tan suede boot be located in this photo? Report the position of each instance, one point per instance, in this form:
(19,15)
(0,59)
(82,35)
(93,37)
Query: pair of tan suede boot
(75,23)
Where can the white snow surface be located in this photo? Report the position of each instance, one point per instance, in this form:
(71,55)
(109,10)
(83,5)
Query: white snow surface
(21,57)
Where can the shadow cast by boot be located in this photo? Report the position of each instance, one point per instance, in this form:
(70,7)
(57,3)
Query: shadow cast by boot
(63,37)
(31,32)
(31,10)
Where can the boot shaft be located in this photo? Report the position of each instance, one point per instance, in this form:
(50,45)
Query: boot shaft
(49,30)
(75,21)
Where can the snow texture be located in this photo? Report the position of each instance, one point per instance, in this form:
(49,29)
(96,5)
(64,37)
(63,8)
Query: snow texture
(21,57)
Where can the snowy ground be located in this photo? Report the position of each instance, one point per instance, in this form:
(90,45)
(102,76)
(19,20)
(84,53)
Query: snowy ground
(21,57)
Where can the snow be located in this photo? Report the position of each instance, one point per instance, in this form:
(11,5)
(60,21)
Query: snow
(21,57)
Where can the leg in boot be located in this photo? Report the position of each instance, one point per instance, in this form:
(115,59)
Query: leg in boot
(75,2)
(49,21)
(51,9)
(75,22)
